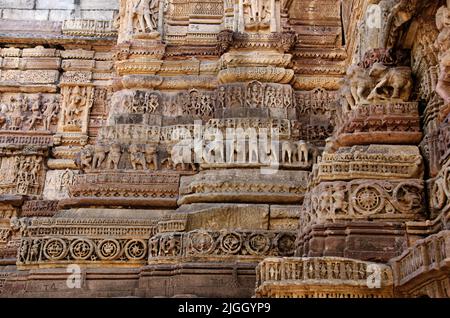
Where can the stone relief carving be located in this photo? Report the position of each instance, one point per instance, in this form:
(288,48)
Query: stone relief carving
(57,184)
(145,15)
(28,112)
(76,104)
(202,243)
(443,45)
(21,174)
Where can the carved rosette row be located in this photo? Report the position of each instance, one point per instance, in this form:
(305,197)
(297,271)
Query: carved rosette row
(362,199)
(81,249)
(203,243)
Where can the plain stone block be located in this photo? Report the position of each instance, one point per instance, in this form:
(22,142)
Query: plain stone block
(60,15)
(97,15)
(100,4)
(55,4)
(17,4)
(16,14)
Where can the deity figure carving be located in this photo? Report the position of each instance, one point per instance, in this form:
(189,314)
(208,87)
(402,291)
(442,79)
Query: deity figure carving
(137,157)
(75,105)
(257,14)
(85,161)
(114,155)
(18,106)
(443,45)
(36,115)
(50,111)
(144,15)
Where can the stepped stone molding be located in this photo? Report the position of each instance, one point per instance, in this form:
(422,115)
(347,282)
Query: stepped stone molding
(389,123)
(90,28)
(238,185)
(124,188)
(373,161)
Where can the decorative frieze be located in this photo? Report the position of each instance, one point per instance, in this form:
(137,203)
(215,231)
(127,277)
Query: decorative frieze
(217,244)
(322,277)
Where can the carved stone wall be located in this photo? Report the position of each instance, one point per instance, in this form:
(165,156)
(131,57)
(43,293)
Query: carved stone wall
(171,146)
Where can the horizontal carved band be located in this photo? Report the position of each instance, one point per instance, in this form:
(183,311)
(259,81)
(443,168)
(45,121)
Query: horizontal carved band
(202,243)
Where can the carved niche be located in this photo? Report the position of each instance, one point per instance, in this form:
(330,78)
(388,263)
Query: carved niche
(77,100)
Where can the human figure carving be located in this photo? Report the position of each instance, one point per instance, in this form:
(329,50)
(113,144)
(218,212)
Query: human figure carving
(151,156)
(257,14)
(75,106)
(144,13)
(137,157)
(50,111)
(35,112)
(114,155)
(86,158)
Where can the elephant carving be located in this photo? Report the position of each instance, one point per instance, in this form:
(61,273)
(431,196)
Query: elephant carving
(287,151)
(302,151)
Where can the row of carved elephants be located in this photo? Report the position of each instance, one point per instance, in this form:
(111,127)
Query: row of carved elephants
(35,250)
(185,154)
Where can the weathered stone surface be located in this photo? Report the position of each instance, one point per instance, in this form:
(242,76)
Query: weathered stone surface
(169,147)
(226,216)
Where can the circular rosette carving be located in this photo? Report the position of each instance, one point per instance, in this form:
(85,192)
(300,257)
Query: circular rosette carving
(368,199)
(201,242)
(230,242)
(408,197)
(108,249)
(257,244)
(285,243)
(438,197)
(81,249)
(55,249)
(135,249)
